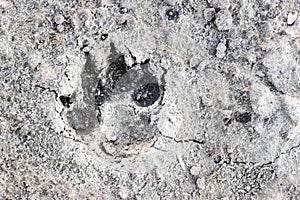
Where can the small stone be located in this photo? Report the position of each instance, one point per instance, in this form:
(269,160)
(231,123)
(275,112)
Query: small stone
(292,16)
(34,59)
(86,49)
(109,148)
(260,74)
(203,64)
(59,19)
(102,3)
(291,106)
(194,62)
(221,48)
(4,5)
(111,137)
(224,20)
(171,2)
(123,193)
(263,102)
(195,171)
(222,4)
(200,182)
(209,14)
(60,28)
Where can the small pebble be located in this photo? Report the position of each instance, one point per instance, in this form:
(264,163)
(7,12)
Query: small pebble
(109,148)
(194,62)
(292,16)
(34,59)
(102,3)
(4,5)
(195,171)
(221,48)
(222,4)
(60,28)
(209,14)
(59,19)
(263,101)
(86,49)
(224,20)
(200,182)
(291,106)
(123,193)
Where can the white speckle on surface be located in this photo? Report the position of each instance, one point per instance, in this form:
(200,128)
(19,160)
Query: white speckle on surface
(195,171)
(292,16)
(181,162)
(123,193)
(221,48)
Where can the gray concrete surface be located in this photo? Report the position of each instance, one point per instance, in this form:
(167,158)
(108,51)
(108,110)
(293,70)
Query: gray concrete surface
(160,99)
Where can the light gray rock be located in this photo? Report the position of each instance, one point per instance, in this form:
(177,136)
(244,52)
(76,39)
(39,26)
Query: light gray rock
(194,171)
(59,19)
(209,14)
(263,102)
(292,17)
(221,48)
(292,107)
(224,20)
(221,4)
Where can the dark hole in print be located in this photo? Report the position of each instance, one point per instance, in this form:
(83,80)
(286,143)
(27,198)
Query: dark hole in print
(227,121)
(104,36)
(66,101)
(218,159)
(115,71)
(123,10)
(146,94)
(102,93)
(244,117)
(85,44)
(172,14)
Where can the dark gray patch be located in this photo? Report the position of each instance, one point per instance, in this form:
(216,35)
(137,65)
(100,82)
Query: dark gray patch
(243,117)
(146,94)
(83,116)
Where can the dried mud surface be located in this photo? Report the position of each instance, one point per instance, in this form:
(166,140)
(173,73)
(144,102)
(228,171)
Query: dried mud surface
(160,99)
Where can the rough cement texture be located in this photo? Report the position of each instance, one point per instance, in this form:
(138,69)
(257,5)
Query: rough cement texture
(154,99)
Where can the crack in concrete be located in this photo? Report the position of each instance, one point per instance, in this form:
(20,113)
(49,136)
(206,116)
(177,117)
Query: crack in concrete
(48,89)
(188,140)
